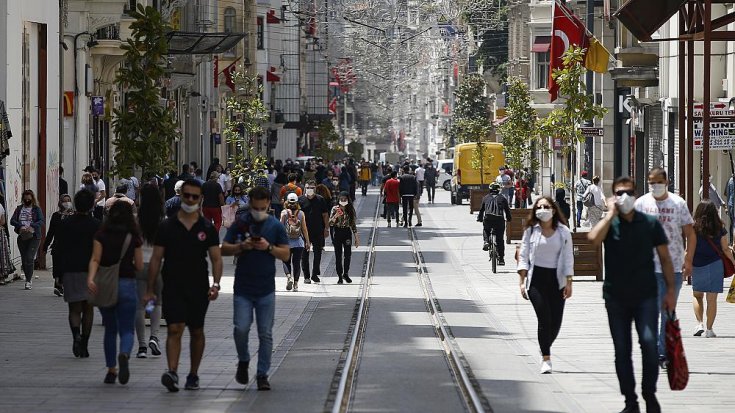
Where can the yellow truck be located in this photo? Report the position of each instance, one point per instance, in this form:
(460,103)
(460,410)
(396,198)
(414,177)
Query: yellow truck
(467,177)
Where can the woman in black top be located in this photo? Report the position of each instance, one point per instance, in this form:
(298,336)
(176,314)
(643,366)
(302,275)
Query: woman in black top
(118,237)
(72,248)
(66,209)
(343,220)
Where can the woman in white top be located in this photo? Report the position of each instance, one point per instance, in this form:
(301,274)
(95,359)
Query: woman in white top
(545,266)
(594,213)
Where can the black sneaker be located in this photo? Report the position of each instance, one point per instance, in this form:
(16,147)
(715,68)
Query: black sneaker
(339,281)
(155,347)
(110,378)
(419,225)
(315,279)
(263,383)
(192,382)
(242,372)
(501,262)
(631,408)
(307,280)
(171,381)
(662,362)
(142,353)
(486,247)
(348,279)
(58,292)
(652,405)
(123,371)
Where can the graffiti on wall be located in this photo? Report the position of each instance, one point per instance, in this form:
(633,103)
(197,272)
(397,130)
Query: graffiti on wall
(52,178)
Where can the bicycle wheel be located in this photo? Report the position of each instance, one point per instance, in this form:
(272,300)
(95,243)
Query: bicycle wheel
(494,258)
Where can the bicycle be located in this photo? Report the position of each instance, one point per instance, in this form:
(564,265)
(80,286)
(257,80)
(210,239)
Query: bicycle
(493,251)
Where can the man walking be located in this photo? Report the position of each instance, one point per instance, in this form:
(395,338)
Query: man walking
(183,243)
(408,187)
(430,175)
(420,173)
(392,197)
(494,211)
(630,289)
(258,239)
(673,214)
(316,209)
(581,188)
(213,197)
(505,183)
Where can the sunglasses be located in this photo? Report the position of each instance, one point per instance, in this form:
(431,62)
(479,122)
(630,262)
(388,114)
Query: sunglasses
(544,207)
(193,197)
(630,192)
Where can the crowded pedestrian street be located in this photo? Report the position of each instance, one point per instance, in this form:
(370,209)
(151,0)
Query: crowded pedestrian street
(402,363)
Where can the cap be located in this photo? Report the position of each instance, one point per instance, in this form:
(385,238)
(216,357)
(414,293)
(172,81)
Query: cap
(291,198)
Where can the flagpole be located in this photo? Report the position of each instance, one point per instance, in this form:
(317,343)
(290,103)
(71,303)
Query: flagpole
(589,80)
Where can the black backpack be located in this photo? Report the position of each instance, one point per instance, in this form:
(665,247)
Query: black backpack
(492,207)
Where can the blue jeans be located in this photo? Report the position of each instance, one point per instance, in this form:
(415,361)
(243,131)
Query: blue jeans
(620,315)
(580,207)
(664,317)
(120,319)
(265,309)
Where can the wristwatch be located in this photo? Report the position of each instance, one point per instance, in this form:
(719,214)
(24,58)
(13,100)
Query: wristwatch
(216,285)
(270,247)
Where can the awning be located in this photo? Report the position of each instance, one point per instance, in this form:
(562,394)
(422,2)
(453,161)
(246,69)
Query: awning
(643,17)
(541,44)
(201,43)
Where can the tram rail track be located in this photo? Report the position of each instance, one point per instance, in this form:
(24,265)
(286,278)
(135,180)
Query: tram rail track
(346,377)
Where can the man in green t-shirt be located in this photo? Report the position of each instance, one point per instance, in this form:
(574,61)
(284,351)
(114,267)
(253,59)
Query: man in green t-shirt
(630,288)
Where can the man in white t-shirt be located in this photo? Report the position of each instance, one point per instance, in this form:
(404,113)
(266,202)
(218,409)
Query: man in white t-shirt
(673,214)
(420,173)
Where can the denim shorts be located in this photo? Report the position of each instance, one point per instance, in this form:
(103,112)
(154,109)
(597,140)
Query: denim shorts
(708,279)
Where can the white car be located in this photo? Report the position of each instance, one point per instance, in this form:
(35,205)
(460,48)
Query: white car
(445,168)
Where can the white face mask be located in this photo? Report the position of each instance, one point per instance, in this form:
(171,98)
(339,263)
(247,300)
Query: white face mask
(625,203)
(544,214)
(343,203)
(259,216)
(189,209)
(309,192)
(658,190)
(66,205)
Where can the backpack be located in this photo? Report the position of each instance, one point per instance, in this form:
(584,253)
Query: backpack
(492,207)
(293,225)
(589,200)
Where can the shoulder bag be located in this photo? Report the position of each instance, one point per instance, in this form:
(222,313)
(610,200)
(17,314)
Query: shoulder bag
(107,280)
(727,263)
(678,369)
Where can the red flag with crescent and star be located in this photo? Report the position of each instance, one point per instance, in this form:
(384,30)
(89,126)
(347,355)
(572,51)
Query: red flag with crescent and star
(566,30)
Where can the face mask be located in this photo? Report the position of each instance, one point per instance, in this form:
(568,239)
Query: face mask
(189,209)
(309,192)
(544,214)
(658,190)
(237,194)
(66,205)
(335,183)
(259,216)
(27,202)
(625,203)
(343,203)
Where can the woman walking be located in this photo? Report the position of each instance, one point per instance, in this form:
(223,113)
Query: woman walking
(88,183)
(594,212)
(118,237)
(66,209)
(707,266)
(238,198)
(545,267)
(6,264)
(343,220)
(72,250)
(298,239)
(28,220)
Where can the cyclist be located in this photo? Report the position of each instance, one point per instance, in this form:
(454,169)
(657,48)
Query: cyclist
(494,211)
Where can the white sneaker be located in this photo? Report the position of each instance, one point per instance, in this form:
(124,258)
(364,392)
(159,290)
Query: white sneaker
(699,330)
(289,282)
(546,367)
(710,334)
(28,285)
(295,286)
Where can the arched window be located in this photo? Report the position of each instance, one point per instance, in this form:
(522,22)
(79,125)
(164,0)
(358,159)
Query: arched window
(230,15)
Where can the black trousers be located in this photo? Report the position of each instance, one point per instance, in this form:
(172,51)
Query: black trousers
(364,187)
(548,303)
(497,225)
(407,201)
(342,245)
(431,190)
(317,261)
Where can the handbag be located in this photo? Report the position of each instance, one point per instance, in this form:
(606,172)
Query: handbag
(678,369)
(107,280)
(727,263)
(731,293)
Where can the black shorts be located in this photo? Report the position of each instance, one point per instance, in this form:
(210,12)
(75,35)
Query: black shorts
(188,307)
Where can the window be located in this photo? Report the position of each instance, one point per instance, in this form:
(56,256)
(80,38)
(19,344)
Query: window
(230,16)
(542,70)
(261,27)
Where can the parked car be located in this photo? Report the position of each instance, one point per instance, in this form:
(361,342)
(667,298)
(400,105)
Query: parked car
(445,168)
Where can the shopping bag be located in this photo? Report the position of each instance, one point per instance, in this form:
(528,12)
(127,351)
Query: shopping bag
(731,292)
(228,215)
(678,370)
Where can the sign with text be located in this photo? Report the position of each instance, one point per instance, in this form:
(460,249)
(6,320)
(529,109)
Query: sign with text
(721,135)
(592,132)
(715,109)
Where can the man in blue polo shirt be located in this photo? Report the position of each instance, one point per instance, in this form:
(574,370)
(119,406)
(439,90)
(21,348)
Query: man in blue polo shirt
(258,239)
(630,289)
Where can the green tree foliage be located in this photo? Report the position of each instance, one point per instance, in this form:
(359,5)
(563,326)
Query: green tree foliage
(520,129)
(244,124)
(329,146)
(470,121)
(356,149)
(144,130)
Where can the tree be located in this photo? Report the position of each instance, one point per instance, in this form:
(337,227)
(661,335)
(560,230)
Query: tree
(328,147)
(520,129)
(470,121)
(564,122)
(244,124)
(356,149)
(144,130)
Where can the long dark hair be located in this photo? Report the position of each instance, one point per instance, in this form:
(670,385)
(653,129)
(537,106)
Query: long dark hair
(349,208)
(555,220)
(120,218)
(706,220)
(150,212)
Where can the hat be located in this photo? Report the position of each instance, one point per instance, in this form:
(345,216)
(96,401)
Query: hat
(584,173)
(292,198)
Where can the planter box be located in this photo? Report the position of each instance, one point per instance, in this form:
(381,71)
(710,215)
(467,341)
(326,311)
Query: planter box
(514,228)
(587,258)
(476,196)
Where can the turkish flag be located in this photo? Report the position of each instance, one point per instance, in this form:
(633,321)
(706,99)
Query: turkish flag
(333,106)
(566,30)
(229,72)
(216,71)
